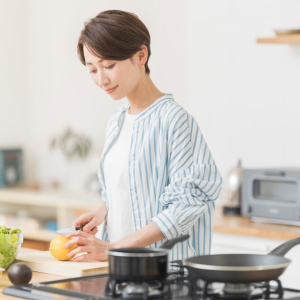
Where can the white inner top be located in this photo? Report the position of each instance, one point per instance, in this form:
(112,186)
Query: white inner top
(119,217)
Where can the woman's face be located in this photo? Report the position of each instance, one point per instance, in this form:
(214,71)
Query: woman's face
(119,79)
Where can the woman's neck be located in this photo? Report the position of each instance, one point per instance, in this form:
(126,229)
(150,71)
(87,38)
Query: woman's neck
(143,96)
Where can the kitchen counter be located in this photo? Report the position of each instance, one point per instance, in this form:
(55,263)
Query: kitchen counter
(236,225)
(36,277)
(243,226)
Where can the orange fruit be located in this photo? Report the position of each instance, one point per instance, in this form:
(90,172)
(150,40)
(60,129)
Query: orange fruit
(57,248)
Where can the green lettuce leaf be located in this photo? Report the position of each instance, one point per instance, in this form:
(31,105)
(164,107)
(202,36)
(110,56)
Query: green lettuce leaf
(10,242)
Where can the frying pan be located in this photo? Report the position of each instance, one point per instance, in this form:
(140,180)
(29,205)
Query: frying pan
(241,268)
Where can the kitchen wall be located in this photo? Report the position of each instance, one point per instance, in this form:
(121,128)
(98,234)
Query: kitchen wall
(60,92)
(243,95)
(13,71)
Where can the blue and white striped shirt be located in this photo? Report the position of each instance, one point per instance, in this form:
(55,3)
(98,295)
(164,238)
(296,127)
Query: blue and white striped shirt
(173,178)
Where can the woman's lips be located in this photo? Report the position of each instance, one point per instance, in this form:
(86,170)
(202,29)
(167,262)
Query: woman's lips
(109,91)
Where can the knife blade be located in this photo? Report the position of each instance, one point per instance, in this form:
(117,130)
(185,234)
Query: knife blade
(65,231)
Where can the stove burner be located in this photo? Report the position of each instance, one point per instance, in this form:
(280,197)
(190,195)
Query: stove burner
(137,290)
(237,288)
(155,289)
(272,289)
(245,291)
(181,283)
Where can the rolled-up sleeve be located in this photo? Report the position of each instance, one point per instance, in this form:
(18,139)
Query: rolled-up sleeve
(193,177)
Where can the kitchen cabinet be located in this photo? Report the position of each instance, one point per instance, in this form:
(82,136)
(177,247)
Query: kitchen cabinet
(234,243)
(39,213)
(282,39)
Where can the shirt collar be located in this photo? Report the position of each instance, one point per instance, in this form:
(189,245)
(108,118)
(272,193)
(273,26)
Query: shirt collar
(144,114)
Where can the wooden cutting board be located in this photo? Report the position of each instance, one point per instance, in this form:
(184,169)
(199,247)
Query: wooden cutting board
(43,261)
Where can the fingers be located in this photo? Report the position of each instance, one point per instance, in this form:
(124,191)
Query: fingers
(81,238)
(88,221)
(88,246)
(73,236)
(94,231)
(90,226)
(82,220)
(81,257)
(90,256)
(87,252)
(77,251)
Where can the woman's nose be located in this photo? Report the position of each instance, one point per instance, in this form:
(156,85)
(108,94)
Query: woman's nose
(102,79)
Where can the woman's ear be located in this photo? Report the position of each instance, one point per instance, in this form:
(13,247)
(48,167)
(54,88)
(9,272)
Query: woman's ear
(142,55)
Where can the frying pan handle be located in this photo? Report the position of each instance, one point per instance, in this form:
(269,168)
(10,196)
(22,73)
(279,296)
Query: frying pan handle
(171,242)
(285,247)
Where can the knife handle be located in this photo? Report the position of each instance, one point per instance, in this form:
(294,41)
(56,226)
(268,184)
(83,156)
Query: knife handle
(81,228)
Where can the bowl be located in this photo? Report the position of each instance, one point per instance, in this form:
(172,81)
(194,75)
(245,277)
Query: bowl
(10,245)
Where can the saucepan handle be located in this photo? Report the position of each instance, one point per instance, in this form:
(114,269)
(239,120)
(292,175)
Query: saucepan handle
(285,247)
(171,242)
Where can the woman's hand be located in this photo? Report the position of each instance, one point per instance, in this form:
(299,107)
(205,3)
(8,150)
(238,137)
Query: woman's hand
(91,220)
(93,247)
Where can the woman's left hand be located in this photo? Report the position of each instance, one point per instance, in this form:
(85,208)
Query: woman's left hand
(92,247)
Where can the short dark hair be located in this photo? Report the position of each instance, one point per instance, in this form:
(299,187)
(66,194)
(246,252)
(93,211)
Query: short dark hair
(114,35)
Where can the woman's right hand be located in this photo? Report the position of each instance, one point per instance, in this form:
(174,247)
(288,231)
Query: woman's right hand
(91,220)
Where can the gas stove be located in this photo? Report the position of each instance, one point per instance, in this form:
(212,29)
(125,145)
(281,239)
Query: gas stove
(178,285)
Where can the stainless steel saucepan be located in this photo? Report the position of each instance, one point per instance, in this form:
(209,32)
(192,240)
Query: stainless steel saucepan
(140,264)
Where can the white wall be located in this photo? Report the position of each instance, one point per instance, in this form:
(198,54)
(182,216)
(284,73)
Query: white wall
(13,71)
(244,95)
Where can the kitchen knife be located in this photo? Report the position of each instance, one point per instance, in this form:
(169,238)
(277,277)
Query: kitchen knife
(65,231)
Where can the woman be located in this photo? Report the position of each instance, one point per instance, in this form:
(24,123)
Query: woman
(157,175)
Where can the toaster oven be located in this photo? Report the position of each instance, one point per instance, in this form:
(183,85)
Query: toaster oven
(271,195)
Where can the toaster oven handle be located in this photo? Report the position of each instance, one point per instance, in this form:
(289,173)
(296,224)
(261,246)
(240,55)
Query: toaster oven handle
(275,173)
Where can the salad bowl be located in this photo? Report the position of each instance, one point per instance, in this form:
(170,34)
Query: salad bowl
(11,240)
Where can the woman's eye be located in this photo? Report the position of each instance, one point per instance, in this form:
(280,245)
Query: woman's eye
(93,71)
(110,67)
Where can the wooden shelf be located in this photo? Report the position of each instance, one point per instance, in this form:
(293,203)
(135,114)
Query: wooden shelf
(43,235)
(281,39)
(49,198)
(61,205)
